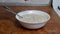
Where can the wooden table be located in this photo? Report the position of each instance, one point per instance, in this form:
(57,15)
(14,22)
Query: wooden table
(9,25)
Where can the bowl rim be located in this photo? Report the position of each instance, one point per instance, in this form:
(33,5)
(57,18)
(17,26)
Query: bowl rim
(33,10)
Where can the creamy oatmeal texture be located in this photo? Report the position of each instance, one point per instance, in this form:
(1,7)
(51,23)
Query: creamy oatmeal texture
(32,18)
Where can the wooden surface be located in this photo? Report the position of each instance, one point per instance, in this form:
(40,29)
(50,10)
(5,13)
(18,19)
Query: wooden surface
(9,25)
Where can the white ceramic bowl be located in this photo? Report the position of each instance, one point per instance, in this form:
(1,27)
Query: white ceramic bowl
(33,25)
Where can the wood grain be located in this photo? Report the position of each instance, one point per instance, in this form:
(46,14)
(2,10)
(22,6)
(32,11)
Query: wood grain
(9,25)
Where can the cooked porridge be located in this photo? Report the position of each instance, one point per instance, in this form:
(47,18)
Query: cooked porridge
(32,18)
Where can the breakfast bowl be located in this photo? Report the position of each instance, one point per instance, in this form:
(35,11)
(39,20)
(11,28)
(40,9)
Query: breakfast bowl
(33,19)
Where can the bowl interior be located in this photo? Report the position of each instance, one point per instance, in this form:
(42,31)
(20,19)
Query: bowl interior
(37,12)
